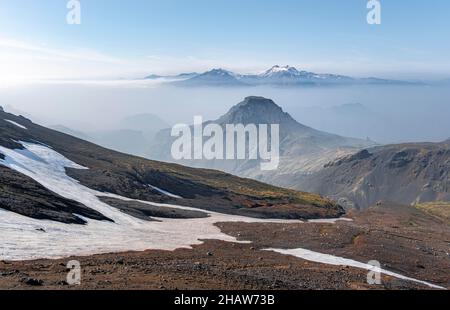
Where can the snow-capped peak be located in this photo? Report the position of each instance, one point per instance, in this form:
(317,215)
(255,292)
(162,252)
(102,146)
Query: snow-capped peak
(282,68)
(277,70)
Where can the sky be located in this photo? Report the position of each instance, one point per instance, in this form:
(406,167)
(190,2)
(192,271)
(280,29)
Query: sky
(134,38)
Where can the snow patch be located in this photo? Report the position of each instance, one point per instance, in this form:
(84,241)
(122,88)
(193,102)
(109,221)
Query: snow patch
(16,124)
(164,192)
(23,238)
(330,221)
(339,261)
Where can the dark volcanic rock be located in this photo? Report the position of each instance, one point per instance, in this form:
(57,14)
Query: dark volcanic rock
(364,154)
(406,174)
(402,158)
(131,176)
(23,195)
(33,282)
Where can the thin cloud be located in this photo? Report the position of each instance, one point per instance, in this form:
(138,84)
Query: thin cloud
(23,61)
(75,54)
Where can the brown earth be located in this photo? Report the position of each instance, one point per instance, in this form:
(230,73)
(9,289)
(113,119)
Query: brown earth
(212,265)
(403,239)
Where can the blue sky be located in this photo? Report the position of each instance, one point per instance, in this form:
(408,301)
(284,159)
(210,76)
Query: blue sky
(126,38)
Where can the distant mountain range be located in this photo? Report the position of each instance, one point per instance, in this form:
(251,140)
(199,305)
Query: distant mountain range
(131,135)
(347,119)
(276,76)
(172,77)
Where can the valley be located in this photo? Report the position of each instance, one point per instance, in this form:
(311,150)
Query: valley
(64,198)
(204,153)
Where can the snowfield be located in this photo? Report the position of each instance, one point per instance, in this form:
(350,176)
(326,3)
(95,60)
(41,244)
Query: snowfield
(339,261)
(22,238)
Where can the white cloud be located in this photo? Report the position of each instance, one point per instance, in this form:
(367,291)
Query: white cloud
(74,54)
(21,62)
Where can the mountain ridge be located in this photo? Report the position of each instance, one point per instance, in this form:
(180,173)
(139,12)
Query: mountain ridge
(129,176)
(214,77)
(276,76)
(302,149)
(408,173)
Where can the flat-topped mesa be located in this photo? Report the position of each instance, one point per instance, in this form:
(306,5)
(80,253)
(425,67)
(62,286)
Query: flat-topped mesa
(256,103)
(256,110)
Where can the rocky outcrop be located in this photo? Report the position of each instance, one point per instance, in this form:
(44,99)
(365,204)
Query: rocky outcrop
(406,174)
(23,195)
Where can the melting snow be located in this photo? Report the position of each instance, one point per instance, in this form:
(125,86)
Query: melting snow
(330,221)
(165,192)
(16,124)
(339,261)
(22,238)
